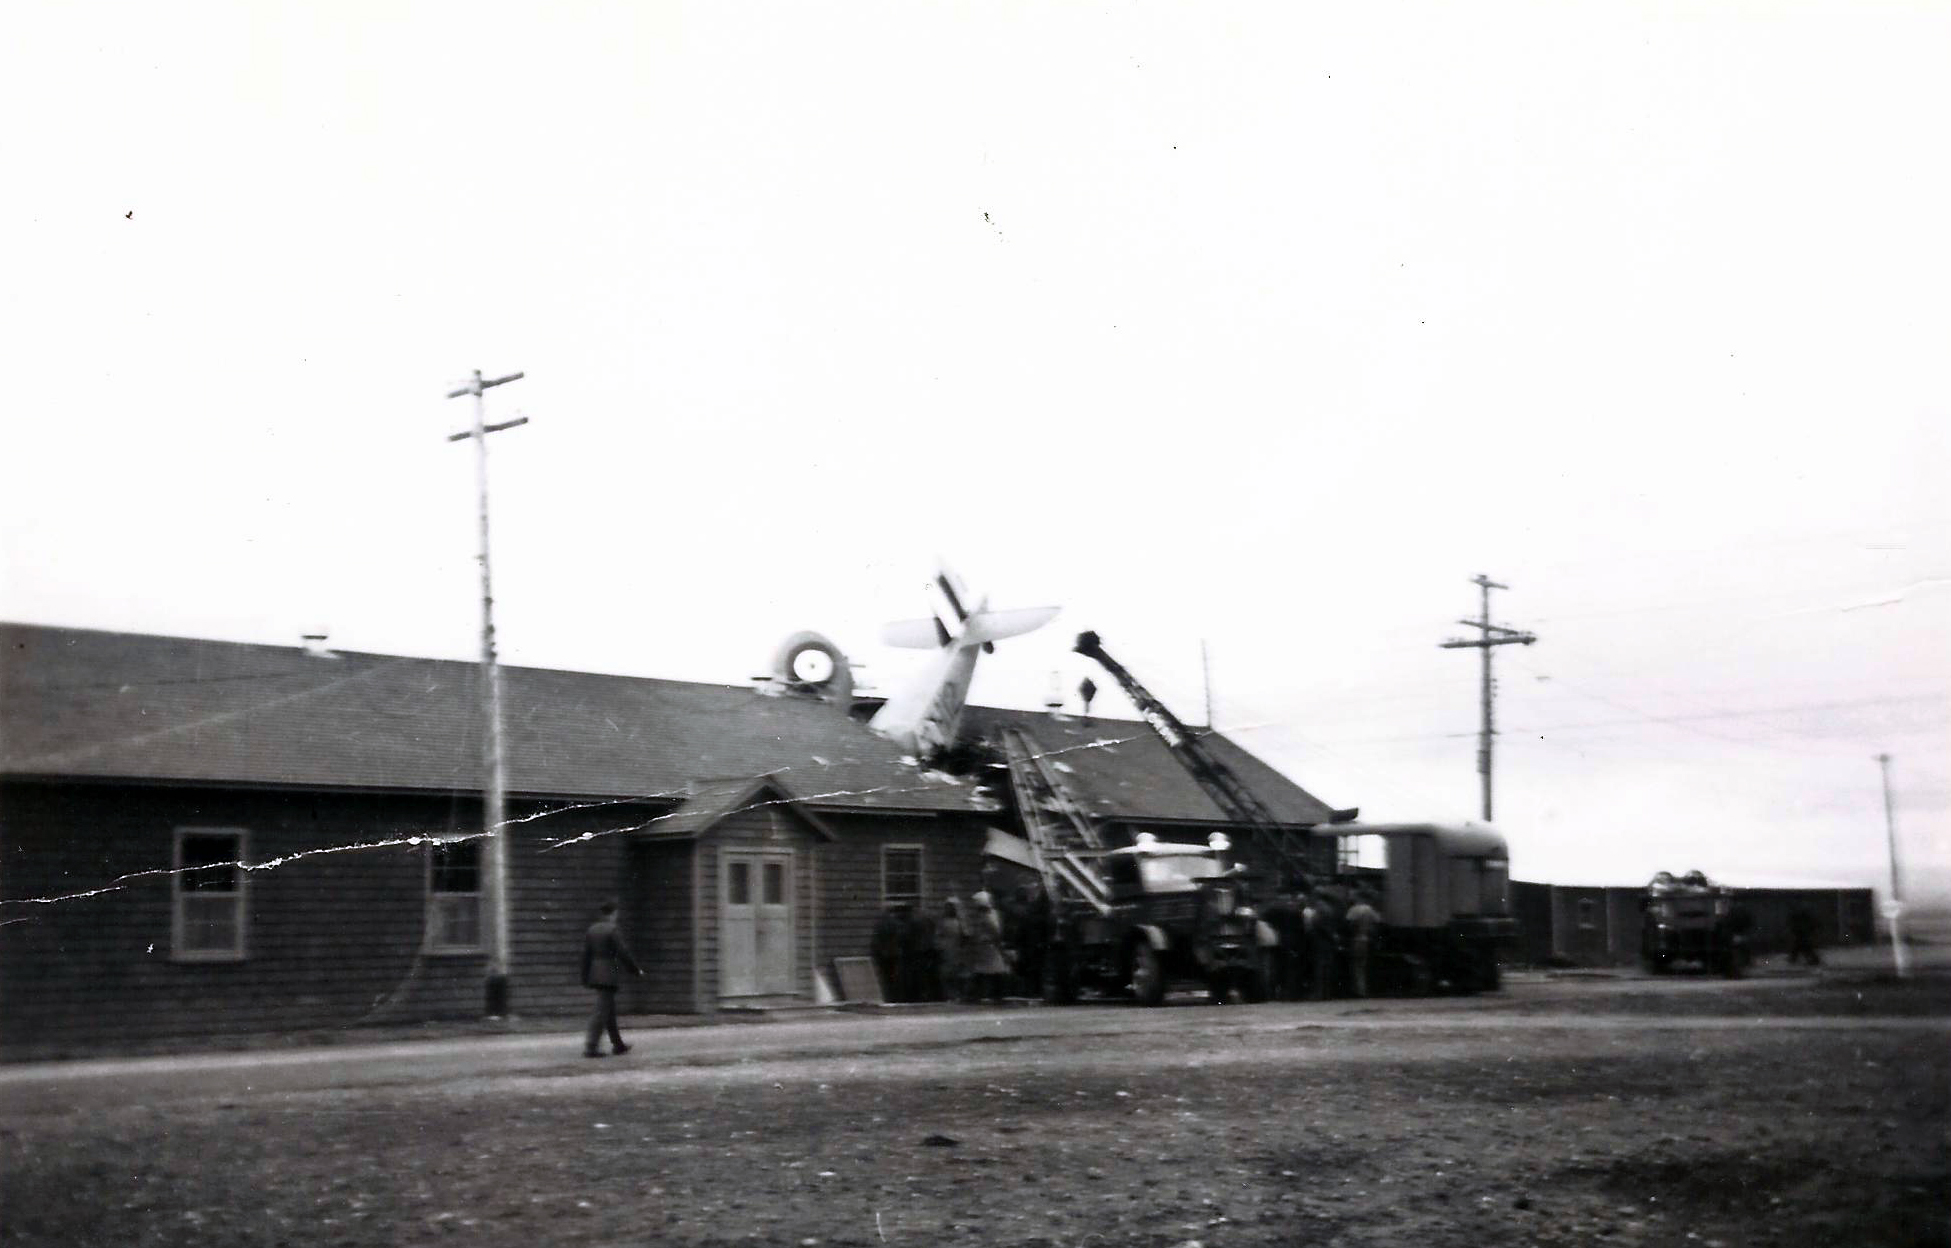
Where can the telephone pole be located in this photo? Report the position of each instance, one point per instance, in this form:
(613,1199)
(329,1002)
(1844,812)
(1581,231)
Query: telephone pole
(1493,635)
(494,814)
(1893,909)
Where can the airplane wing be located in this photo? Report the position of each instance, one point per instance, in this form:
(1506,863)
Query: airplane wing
(992,625)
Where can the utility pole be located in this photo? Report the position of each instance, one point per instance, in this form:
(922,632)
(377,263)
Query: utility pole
(1492,635)
(494,813)
(1893,909)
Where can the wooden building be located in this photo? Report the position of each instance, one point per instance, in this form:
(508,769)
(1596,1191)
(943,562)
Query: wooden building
(202,837)
(1597,925)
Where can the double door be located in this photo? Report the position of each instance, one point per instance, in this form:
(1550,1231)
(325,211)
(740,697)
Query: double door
(755,924)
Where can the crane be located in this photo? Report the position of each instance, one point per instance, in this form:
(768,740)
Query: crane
(1278,846)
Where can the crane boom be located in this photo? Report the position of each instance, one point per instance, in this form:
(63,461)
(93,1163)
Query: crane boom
(1287,848)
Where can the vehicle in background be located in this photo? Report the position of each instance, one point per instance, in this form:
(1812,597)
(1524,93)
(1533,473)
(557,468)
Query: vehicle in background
(1445,898)
(1689,919)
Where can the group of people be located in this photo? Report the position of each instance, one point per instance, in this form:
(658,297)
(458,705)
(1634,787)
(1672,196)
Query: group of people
(984,949)
(1326,932)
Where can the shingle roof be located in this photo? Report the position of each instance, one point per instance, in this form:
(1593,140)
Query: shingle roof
(713,800)
(83,703)
(1122,767)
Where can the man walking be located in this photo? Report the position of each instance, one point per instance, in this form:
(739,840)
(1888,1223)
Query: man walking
(605,956)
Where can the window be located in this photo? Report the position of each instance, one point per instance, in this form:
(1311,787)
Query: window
(900,875)
(774,875)
(209,895)
(1588,912)
(454,896)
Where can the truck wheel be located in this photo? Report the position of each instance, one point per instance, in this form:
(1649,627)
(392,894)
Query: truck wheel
(1059,977)
(1418,978)
(1257,981)
(1147,974)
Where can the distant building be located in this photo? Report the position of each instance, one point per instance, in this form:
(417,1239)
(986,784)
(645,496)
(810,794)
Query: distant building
(1599,925)
(750,839)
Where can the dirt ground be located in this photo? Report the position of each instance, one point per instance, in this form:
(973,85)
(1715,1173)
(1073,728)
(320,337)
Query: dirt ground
(1703,1114)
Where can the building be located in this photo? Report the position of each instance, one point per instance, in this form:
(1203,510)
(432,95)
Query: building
(1599,925)
(201,837)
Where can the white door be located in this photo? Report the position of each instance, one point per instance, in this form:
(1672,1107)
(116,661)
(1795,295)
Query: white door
(756,930)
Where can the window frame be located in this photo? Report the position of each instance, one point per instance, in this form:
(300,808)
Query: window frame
(920,896)
(239,949)
(435,928)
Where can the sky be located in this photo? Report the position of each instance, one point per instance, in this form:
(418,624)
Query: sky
(1248,334)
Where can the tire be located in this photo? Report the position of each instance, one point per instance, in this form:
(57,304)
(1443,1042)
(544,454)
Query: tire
(1147,974)
(1257,981)
(1419,979)
(1490,976)
(1059,977)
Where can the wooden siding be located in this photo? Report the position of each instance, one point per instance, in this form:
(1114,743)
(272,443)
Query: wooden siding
(849,897)
(334,934)
(660,921)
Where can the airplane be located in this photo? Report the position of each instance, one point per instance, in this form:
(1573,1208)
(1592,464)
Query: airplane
(925,716)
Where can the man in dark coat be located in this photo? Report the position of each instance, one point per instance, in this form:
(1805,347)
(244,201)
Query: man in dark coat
(889,949)
(605,958)
(1322,918)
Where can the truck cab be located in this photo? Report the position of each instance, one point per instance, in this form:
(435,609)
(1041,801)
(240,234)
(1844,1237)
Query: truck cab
(1174,912)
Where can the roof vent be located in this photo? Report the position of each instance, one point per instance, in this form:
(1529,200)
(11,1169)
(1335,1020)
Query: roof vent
(315,646)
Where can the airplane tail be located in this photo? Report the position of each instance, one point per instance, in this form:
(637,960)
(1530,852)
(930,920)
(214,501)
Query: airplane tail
(925,716)
(959,624)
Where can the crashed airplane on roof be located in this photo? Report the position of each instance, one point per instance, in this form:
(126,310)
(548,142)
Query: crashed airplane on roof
(923,717)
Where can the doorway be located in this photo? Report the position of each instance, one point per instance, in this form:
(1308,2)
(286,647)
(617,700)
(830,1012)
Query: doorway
(755,925)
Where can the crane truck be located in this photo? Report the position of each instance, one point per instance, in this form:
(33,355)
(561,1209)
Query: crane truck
(1445,889)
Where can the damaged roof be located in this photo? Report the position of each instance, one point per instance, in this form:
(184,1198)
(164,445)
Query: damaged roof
(1124,771)
(86,703)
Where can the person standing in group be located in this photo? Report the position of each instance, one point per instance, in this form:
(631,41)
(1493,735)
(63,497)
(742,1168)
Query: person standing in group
(889,948)
(949,945)
(1284,915)
(982,950)
(922,957)
(605,957)
(1322,918)
(1360,923)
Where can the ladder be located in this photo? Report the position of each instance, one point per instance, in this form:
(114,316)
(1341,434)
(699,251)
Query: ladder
(1062,833)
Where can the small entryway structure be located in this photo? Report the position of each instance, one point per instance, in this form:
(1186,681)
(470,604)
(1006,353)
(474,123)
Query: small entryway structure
(732,899)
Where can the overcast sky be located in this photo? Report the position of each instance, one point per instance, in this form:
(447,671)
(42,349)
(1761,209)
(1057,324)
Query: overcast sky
(1266,327)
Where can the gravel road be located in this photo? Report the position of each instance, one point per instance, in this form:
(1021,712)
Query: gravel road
(1794,1112)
